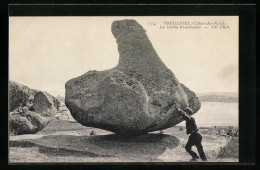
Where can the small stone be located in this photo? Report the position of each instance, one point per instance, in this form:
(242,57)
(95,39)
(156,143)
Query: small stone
(92,133)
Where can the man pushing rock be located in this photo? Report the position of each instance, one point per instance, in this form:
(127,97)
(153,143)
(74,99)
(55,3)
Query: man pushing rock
(195,137)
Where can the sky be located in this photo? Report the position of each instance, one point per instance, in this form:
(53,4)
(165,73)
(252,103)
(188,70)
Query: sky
(46,52)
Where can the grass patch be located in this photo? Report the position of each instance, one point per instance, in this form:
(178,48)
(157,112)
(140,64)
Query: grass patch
(230,150)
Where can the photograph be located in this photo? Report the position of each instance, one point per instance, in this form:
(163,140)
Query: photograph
(102,89)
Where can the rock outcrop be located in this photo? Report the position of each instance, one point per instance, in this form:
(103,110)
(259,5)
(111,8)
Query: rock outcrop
(136,96)
(30,110)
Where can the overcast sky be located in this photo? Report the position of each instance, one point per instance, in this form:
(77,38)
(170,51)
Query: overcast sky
(46,52)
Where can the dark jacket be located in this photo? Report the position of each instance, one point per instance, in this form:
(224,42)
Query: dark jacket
(190,123)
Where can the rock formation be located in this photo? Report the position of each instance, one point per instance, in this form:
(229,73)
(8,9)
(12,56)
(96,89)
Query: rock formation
(30,110)
(136,96)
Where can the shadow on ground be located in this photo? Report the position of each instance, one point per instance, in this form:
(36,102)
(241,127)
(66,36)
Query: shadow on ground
(139,148)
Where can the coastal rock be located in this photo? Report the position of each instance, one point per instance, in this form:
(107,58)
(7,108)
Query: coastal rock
(137,96)
(30,110)
(26,123)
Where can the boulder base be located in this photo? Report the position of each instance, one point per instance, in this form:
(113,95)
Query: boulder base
(27,124)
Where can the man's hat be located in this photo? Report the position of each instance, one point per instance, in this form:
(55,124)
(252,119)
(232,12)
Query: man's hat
(188,110)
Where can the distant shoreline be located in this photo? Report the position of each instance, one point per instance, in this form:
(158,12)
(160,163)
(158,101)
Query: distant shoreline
(219,101)
(227,97)
(224,97)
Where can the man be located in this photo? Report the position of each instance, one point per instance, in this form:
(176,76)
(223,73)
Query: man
(195,137)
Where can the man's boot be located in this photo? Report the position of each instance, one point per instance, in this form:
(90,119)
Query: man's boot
(204,159)
(194,159)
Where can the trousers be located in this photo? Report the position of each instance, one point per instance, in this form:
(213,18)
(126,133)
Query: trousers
(195,139)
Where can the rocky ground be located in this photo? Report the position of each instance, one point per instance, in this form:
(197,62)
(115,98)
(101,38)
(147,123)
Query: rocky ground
(68,141)
(64,113)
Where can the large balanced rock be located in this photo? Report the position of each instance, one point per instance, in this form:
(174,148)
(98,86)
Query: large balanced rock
(136,96)
(30,110)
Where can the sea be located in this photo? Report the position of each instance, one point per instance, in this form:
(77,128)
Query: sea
(216,114)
